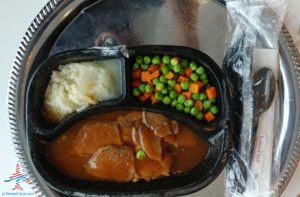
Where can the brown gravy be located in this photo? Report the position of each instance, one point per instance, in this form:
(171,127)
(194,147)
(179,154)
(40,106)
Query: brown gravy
(104,147)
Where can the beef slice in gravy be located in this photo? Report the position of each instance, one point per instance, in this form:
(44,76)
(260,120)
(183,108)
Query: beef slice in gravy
(96,134)
(112,162)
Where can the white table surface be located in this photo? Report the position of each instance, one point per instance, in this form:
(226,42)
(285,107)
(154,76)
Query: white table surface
(15,17)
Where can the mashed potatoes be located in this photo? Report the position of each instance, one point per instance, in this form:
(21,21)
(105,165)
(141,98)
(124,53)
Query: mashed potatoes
(75,86)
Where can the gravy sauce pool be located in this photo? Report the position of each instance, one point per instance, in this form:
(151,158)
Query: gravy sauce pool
(104,147)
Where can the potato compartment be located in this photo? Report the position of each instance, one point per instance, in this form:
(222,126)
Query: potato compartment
(37,123)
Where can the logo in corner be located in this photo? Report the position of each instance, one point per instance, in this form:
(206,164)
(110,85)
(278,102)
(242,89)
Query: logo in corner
(18,178)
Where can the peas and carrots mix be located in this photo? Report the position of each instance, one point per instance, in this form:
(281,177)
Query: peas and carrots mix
(177,82)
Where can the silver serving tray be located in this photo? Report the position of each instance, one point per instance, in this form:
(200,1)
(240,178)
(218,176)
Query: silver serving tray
(45,35)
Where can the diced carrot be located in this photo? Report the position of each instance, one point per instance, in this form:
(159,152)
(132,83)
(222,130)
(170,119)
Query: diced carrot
(182,79)
(145,76)
(177,88)
(136,74)
(188,72)
(211,92)
(170,75)
(154,100)
(194,88)
(153,68)
(155,74)
(187,95)
(150,83)
(200,84)
(209,116)
(148,95)
(199,105)
(136,83)
(142,98)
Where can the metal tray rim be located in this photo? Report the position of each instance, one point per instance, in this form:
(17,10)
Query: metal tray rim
(50,8)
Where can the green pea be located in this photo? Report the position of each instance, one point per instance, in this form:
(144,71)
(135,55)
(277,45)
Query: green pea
(135,66)
(199,116)
(155,81)
(195,96)
(159,96)
(164,70)
(156,60)
(169,88)
(185,85)
(176,75)
(174,103)
(148,88)
(160,87)
(144,66)
(200,70)
(147,60)
(166,100)
(166,59)
(179,107)
(174,61)
(202,97)
(164,91)
(136,92)
(142,87)
(162,79)
(193,66)
(139,59)
(184,62)
(195,111)
(205,81)
(187,110)
(188,103)
(203,76)
(181,71)
(171,82)
(173,94)
(194,77)
(214,109)
(206,104)
(140,155)
(177,68)
(213,100)
(181,99)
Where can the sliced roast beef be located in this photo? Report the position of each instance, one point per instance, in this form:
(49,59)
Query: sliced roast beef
(112,163)
(174,126)
(183,138)
(136,139)
(126,134)
(150,169)
(130,119)
(151,144)
(94,135)
(157,123)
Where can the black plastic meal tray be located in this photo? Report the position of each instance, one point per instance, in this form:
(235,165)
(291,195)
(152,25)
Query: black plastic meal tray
(217,133)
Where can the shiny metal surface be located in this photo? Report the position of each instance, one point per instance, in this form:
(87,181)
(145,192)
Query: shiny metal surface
(147,23)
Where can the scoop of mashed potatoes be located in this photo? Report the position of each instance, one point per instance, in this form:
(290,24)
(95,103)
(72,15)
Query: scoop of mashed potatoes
(75,86)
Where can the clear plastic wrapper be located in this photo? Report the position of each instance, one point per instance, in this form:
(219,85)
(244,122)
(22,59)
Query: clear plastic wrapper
(251,65)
